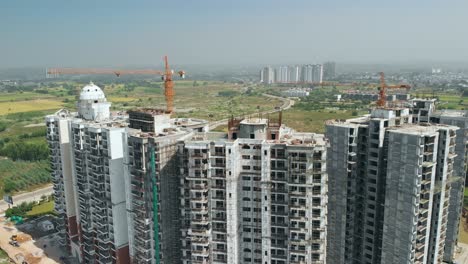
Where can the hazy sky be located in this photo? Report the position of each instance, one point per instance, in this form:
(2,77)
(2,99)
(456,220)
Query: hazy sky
(122,33)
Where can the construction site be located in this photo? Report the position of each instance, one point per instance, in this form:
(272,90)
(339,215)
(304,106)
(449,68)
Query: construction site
(21,247)
(143,187)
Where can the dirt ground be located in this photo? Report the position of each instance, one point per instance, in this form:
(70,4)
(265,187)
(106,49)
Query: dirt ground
(27,251)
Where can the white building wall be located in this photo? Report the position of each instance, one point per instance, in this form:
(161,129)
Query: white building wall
(119,217)
(232,204)
(266,203)
(128,193)
(65,155)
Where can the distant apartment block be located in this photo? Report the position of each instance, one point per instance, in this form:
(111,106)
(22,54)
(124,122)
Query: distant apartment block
(296,92)
(329,70)
(267,75)
(294,74)
(389,188)
(255,196)
(282,74)
(310,73)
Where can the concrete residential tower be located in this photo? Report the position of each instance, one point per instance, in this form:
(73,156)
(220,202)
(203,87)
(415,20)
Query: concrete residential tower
(152,183)
(389,188)
(424,111)
(89,173)
(256,195)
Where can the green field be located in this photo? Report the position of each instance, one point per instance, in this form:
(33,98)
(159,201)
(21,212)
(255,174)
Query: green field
(312,121)
(47,207)
(4,259)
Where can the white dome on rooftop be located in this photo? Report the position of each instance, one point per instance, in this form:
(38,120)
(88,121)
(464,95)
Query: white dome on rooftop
(92,92)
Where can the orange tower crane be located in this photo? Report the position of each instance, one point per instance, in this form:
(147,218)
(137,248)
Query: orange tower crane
(166,76)
(382,101)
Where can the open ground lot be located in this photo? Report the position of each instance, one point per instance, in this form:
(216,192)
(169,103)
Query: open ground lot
(28,249)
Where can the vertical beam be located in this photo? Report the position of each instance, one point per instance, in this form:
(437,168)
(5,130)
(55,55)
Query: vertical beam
(155,206)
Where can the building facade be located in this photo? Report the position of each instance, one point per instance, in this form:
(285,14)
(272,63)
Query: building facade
(257,196)
(312,73)
(424,110)
(389,188)
(88,184)
(282,74)
(309,73)
(268,75)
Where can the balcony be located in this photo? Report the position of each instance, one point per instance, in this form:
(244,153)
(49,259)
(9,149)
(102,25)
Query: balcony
(200,253)
(198,186)
(219,153)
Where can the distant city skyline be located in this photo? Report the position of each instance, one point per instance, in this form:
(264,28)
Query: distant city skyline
(121,33)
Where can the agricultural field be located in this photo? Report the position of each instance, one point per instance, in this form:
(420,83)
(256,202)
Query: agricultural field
(27,106)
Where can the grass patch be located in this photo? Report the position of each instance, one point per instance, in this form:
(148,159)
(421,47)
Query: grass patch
(28,106)
(4,259)
(312,121)
(41,209)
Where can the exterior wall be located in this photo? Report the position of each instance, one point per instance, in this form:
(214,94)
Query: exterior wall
(59,145)
(340,242)
(388,190)
(272,197)
(151,196)
(404,240)
(98,172)
(233,213)
(457,181)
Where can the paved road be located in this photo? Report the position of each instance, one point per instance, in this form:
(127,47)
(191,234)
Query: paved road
(27,197)
(287,103)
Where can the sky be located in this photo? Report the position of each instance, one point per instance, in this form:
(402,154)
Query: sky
(85,33)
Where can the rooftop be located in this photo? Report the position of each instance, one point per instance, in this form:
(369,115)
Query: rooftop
(451,113)
(151,111)
(421,129)
(254,121)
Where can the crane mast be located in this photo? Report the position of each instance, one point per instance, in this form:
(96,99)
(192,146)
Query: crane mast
(167,75)
(382,101)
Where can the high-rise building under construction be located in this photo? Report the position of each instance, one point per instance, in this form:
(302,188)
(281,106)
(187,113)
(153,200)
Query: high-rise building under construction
(88,180)
(255,196)
(389,188)
(140,187)
(424,111)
